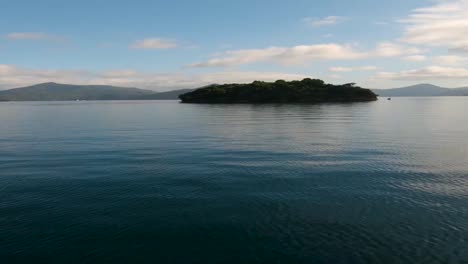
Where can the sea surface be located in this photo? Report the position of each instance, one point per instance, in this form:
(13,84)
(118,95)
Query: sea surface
(164,182)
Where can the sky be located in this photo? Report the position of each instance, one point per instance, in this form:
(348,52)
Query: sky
(166,45)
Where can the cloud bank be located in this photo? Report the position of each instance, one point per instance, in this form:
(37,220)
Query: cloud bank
(427,73)
(444,24)
(12,77)
(304,54)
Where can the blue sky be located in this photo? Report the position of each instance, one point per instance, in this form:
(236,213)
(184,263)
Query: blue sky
(163,45)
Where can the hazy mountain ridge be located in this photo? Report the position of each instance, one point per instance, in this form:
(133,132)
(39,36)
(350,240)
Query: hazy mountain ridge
(170,95)
(422,90)
(67,92)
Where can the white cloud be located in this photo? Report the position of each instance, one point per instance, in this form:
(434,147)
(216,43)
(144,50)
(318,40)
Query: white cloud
(431,72)
(341,69)
(284,55)
(12,76)
(320,22)
(31,36)
(350,69)
(415,58)
(335,76)
(155,43)
(6,69)
(367,68)
(304,53)
(443,24)
(451,60)
(389,49)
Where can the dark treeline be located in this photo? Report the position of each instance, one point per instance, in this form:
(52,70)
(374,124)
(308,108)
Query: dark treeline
(305,91)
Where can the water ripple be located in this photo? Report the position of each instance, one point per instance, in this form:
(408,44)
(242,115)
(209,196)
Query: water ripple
(162,182)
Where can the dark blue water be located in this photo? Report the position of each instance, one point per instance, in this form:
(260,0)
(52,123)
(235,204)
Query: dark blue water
(163,182)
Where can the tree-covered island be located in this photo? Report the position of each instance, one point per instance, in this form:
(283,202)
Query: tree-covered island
(305,91)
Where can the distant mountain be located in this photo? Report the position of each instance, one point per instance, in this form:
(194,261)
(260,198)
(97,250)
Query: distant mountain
(171,95)
(422,90)
(459,91)
(66,92)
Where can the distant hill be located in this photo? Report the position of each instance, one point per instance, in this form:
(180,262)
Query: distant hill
(459,91)
(66,92)
(422,90)
(171,95)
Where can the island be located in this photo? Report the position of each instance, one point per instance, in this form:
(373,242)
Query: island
(305,91)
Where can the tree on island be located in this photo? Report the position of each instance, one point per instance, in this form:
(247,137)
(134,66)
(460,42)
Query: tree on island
(305,91)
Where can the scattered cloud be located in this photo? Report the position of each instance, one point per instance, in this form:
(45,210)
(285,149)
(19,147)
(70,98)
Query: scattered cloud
(431,72)
(335,76)
(303,54)
(6,69)
(460,48)
(155,43)
(444,24)
(341,69)
(31,36)
(320,22)
(389,49)
(367,68)
(350,69)
(12,76)
(450,60)
(283,55)
(415,58)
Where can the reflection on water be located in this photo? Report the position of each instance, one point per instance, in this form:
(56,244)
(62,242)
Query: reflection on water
(149,182)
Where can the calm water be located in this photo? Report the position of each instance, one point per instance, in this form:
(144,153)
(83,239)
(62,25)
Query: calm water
(163,182)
